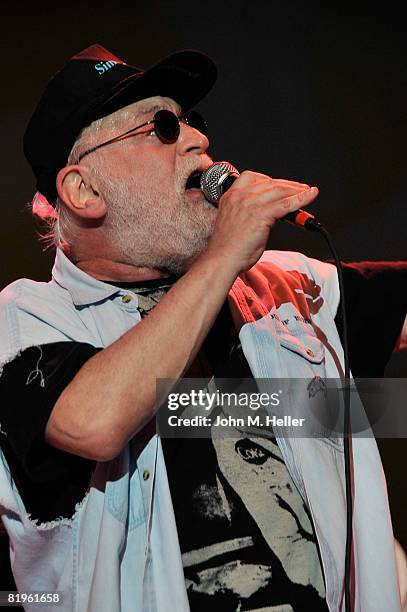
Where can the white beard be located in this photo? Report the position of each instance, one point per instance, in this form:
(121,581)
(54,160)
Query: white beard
(148,232)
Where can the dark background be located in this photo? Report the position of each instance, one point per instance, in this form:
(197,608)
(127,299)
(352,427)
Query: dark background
(314,96)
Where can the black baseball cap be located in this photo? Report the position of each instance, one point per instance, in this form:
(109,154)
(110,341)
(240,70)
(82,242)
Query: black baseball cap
(95,83)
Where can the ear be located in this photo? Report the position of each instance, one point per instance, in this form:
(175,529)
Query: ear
(78,190)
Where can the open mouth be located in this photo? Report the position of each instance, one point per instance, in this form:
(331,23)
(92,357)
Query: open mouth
(193,181)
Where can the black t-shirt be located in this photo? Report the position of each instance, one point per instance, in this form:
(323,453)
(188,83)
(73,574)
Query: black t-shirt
(52,482)
(247,540)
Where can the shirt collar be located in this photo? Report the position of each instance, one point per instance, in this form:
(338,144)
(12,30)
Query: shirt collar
(83,288)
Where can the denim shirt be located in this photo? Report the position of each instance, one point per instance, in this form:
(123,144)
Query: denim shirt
(120,549)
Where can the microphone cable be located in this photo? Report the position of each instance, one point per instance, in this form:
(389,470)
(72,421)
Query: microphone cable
(347,430)
(315,226)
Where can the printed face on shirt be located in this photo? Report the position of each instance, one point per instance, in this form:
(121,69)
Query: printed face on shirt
(152,220)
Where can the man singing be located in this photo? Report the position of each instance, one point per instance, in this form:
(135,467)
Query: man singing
(152,281)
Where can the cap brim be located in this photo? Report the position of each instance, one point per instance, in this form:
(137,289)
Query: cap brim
(185,76)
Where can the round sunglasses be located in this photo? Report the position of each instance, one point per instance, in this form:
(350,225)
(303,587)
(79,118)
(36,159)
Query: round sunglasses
(166,126)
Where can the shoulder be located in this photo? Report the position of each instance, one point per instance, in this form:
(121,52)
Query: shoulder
(285,276)
(292,260)
(303,269)
(24,290)
(32,313)
(291,273)
(36,299)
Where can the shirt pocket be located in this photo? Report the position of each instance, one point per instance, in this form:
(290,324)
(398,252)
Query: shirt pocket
(306,345)
(312,394)
(302,352)
(124,497)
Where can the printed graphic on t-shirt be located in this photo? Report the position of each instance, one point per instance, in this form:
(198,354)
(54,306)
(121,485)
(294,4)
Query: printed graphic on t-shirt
(246,539)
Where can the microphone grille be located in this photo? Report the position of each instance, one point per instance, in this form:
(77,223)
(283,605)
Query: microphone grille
(213,177)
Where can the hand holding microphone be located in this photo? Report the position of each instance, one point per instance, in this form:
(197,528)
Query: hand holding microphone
(249,204)
(221,175)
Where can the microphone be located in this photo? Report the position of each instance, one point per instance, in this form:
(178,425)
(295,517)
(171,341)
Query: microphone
(217,179)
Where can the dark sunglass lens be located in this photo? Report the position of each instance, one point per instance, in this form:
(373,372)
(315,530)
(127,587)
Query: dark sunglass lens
(195,120)
(166,125)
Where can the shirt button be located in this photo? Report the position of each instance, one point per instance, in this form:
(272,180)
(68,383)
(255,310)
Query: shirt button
(127,298)
(310,352)
(146,474)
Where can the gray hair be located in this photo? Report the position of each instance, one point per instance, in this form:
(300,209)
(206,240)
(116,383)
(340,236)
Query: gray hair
(58,229)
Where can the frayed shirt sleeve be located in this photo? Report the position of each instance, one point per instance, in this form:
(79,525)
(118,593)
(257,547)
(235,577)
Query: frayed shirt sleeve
(48,479)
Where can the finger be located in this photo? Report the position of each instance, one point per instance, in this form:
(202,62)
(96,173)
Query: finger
(275,191)
(289,183)
(299,200)
(247,177)
(256,178)
(294,202)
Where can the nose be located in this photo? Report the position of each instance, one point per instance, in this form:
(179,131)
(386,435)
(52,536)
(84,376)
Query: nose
(191,139)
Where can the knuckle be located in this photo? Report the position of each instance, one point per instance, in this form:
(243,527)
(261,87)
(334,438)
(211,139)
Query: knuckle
(304,195)
(298,198)
(248,174)
(264,177)
(289,203)
(235,193)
